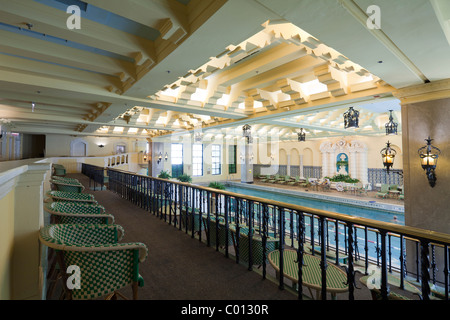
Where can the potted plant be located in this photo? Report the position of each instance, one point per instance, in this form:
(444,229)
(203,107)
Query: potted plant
(184,178)
(216,185)
(164,175)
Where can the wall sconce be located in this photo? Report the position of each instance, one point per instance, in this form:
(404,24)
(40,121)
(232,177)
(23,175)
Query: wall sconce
(391,126)
(351,118)
(145,157)
(198,137)
(159,158)
(388,155)
(166,157)
(101,145)
(428,159)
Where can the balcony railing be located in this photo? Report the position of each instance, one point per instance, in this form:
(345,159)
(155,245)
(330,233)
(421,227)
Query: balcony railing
(195,209)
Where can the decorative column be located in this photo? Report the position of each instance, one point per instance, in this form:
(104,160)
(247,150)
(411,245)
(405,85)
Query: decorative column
(353,163)
(246,163)
(27,272)
(301,167)
(325,167)
(288,165)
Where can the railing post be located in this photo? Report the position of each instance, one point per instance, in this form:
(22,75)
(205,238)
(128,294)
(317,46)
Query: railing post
(323,257)
(300,251)
(425,269)
(238,227)
(265,229)
(384,271)
(227,227)
(250,234)
(350,268)
(281,232)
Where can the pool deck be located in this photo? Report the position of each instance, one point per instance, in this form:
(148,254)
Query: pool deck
(370,200)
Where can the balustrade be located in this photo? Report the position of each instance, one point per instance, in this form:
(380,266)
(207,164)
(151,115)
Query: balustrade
(193,208)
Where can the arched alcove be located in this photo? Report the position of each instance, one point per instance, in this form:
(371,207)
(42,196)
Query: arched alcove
(282,157)
(308,157)
(78,148)
(295,157)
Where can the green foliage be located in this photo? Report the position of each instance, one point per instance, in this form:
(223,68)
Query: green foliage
(184,178)
(342,178)
(164,175)
(216,185)
(342,163)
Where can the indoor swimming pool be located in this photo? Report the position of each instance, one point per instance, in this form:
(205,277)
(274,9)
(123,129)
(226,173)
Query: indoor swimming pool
(371,244)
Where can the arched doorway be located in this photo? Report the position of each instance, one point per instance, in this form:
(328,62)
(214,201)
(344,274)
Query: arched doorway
(78,148)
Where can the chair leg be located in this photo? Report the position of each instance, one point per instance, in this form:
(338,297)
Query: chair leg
(135,287)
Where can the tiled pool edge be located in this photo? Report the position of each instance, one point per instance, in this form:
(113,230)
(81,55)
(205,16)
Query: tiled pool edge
(354,202)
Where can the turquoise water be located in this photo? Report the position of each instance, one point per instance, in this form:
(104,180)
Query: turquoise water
(363,212)
(372,239)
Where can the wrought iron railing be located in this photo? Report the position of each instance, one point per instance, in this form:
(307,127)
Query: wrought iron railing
(96,174)
(195,209)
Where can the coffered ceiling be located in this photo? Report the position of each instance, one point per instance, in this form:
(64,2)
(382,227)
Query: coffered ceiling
(143,68)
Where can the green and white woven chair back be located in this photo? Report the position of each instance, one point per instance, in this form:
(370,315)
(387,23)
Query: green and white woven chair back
(80,234)
(213,231)
(257,246)
(64,179)
(74,207)
(102,272)
(88,219)
(71,196)
(104,264)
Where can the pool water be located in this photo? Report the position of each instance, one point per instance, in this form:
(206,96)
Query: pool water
(375,214)
(363,212)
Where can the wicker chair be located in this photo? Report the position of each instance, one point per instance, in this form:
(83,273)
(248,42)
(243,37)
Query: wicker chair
(59,170)
(67,185)
(212,227)
(257,245)
(73,212)
(64,179)
(72,196)
(104,264)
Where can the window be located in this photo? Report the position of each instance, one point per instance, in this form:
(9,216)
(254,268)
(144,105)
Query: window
(197,160)
(215,159)
(177,159)
(232,159)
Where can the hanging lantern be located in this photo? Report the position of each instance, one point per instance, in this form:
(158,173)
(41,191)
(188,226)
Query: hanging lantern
(301,135)
(247,133)
(351,118)
(429,155)
(388,155)
(391,126)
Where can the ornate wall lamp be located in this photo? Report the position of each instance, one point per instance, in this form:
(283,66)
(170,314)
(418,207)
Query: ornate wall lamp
(198,137)
(159,158)
(428,159)
(166,157)
(351,118)
(388,155)
(391,126)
